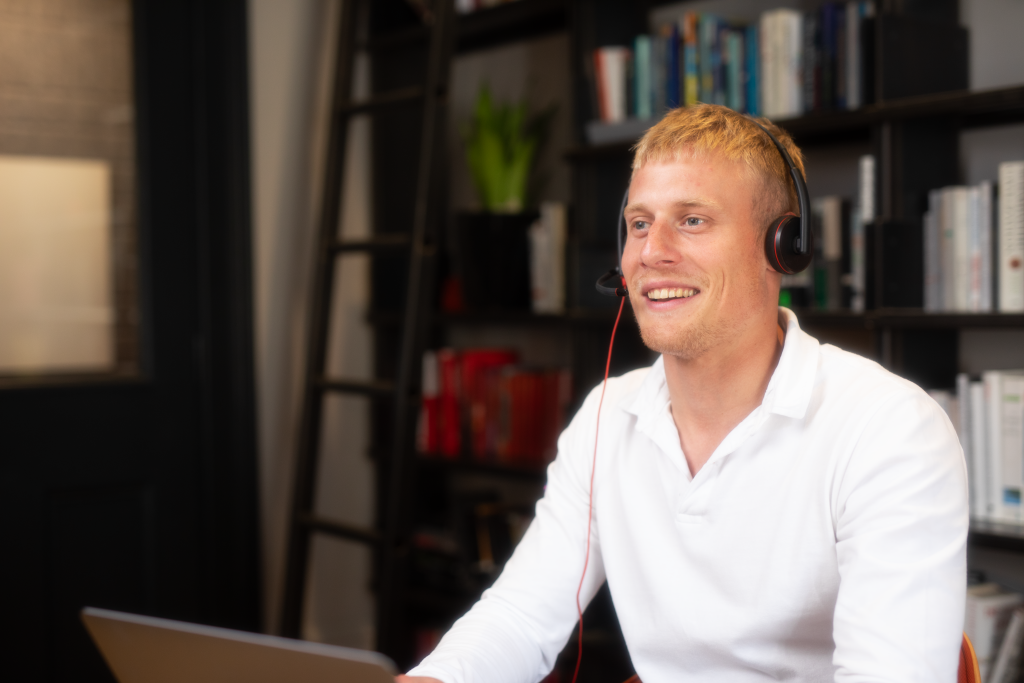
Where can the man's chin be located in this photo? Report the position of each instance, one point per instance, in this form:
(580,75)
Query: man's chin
(683,341)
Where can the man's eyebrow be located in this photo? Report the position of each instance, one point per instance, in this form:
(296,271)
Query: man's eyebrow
(696,203)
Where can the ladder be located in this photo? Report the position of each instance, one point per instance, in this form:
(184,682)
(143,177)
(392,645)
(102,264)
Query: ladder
(420,242)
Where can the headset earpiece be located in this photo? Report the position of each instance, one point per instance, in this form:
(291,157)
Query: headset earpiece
(782,245)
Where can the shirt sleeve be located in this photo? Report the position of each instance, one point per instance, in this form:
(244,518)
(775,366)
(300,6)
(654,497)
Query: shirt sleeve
(901,521)
(518,627)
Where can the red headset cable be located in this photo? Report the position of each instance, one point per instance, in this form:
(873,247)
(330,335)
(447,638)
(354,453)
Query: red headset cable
(593,468)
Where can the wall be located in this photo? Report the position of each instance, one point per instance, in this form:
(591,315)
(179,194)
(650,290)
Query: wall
(291,52)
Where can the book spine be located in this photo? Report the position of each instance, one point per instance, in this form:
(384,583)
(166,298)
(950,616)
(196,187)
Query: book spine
(720,56)
(450,428)
(932,262)
(691,59)
(853,84)
(1011,236)
(840,19)
(765,37)
(980,505)
(858,263)
(1011,401)
(672,68)
(642,76)
(832,249)
(658,71)
(963,429)
(947,249)
(866,188)
(794,63)
(752,71)
(994,443)
(974,249)
(707,61)
(985,238)
(599,82)
(810,62)
(961,250)
(735,80)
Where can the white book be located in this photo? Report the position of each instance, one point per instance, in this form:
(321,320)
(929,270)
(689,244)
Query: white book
(1007,662)
(615,62)
(973,250)
(963,431)
(994,444)
(866,188)
(961,248)
(985,235)
(932,254)
(794,63)
(947,249)
(1011,236)
(858,275)
(983,506)
(988,611)
(547,259)
(1011,403)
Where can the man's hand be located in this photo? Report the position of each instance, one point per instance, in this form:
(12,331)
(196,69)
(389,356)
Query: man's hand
(415,679)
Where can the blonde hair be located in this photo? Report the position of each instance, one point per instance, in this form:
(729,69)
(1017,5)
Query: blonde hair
(702,129)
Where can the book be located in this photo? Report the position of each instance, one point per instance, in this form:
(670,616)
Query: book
(1006,668)
(858,263)
(752,71)
(611,73)
(961,247)
(691,77)
(947,249)
(987,614)
(1011,237)
(1011,415)
(448,414)
(866,188)
(547,259)
(853,83)
(735,92)
(672,66)
(981,249)
(932,254)
(963,432)
(982,506)
(708,56)
(659,47)
(427,436)
(643,89)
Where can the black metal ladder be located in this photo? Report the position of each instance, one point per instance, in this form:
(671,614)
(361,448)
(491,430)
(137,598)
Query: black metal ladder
(419,242)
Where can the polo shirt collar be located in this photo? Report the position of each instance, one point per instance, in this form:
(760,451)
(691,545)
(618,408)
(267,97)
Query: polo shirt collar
(788,393)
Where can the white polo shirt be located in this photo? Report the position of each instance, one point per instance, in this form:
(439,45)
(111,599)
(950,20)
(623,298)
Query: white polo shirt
(825,538)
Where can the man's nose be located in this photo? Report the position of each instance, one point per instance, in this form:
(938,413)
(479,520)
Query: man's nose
(659,247)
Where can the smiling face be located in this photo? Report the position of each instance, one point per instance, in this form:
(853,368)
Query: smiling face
(694,261)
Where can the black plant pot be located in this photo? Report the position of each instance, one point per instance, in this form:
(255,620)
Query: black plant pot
(494,259)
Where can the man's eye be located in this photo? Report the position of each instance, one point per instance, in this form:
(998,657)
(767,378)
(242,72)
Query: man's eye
(641,225)
(693,221)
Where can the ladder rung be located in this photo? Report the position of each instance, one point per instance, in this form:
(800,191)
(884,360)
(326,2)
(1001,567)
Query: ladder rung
(384,99)
(371,387)
(377,243)
(329,526)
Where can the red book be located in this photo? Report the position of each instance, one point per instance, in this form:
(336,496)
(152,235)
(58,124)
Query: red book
(481,370)
(449,427)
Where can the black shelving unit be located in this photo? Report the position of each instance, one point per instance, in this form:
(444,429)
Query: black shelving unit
(895,129)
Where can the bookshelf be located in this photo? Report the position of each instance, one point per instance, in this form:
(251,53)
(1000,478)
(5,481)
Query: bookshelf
(922,346)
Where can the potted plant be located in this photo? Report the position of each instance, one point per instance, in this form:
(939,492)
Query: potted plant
(501,150)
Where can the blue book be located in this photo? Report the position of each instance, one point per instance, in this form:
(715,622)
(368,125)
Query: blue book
(753,60)
(642,77)
(672,69)
(708,56)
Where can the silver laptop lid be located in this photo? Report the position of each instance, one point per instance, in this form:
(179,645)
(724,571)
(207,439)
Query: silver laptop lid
(142,649)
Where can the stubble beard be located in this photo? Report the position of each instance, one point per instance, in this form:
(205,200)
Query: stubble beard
(688,341)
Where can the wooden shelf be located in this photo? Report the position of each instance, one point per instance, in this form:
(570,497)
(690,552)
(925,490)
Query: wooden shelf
(971,109)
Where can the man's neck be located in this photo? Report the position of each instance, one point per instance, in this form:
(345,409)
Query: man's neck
(713,393)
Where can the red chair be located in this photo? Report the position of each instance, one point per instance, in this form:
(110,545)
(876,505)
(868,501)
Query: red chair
(968,672)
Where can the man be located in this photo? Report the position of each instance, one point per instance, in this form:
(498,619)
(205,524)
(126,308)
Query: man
(764,507)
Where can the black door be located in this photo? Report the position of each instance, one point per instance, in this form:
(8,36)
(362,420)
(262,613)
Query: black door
(139,494)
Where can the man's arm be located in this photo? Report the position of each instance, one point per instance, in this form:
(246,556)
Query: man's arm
(901,521)
(516,630)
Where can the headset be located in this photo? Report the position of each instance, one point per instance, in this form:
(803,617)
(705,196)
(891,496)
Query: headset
(787,242)
(787,245)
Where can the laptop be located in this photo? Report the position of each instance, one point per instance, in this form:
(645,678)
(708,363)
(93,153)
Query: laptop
(142,649)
